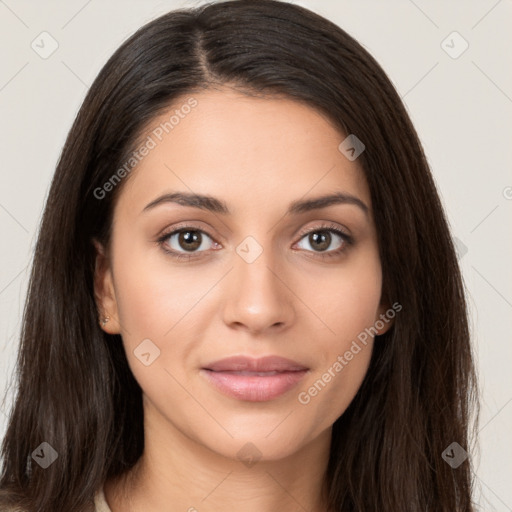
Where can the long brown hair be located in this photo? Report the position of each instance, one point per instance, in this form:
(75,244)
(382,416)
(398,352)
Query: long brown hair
(75,390)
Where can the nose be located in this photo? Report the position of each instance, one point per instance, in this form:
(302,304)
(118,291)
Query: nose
(259,299)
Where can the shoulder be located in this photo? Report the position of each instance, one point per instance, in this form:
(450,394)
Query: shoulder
(100,502)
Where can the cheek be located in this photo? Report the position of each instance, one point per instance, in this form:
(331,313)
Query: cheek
(153,294)
(346,299)
(152,306)
(160,302)
(329,392)
(348,309)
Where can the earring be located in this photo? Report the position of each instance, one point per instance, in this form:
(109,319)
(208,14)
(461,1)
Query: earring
(105,320)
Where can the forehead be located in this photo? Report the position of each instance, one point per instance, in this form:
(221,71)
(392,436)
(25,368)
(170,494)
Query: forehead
(248,151)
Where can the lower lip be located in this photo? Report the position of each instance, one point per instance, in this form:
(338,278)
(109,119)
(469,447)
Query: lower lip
(254,388)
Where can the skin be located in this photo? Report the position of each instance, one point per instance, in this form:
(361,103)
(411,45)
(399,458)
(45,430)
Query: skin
(258,155)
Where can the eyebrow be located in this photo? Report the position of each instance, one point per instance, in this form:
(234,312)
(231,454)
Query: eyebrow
(212,204)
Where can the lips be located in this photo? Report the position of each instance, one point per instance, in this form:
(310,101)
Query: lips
(264,364)
(254,380)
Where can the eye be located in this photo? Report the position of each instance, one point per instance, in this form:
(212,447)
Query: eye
(185,242)
(323,237)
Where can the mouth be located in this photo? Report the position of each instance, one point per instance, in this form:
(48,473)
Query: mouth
(254,380)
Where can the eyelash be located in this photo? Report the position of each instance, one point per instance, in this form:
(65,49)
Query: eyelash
(347,241)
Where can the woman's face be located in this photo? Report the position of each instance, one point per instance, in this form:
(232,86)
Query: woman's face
(251,281)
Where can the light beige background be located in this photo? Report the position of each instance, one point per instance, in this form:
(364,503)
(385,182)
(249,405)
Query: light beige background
(461,107)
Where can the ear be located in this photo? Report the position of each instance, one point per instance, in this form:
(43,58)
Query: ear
(385,318)
(104,292)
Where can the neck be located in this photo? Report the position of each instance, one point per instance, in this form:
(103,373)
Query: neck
(181,474)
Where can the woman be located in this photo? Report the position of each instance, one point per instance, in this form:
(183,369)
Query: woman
(244,291)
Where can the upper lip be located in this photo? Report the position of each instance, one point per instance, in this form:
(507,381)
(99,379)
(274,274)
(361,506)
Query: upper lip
(263,364)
